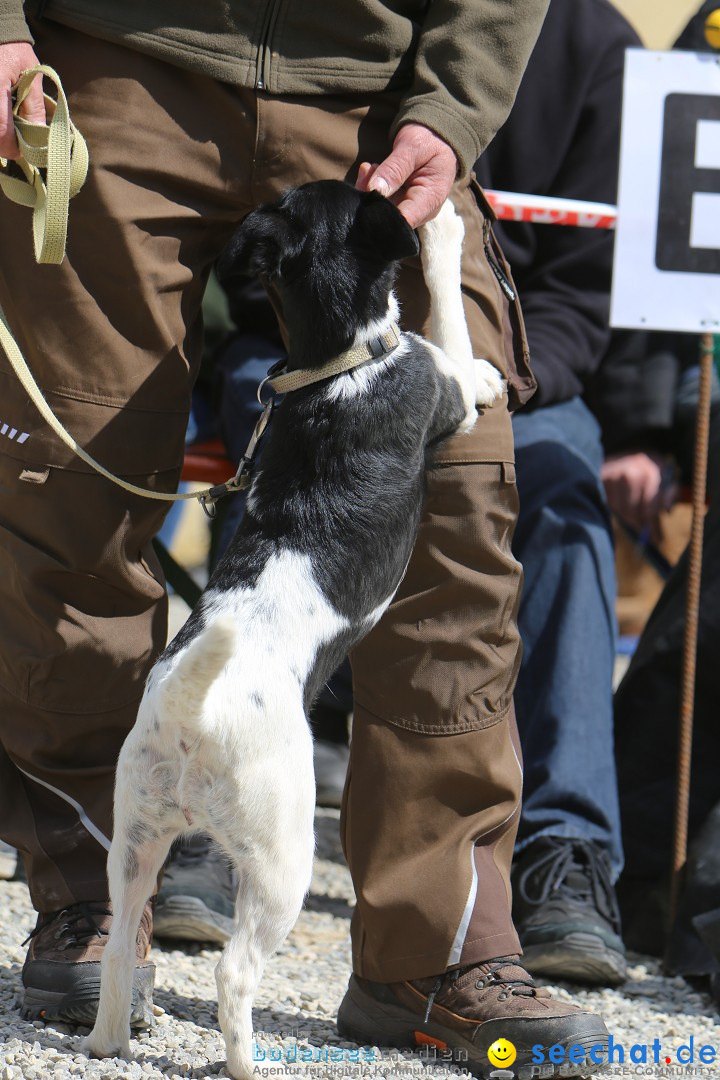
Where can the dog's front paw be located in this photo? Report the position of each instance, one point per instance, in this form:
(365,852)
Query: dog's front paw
(446,230)
(98,1046)
(489,383)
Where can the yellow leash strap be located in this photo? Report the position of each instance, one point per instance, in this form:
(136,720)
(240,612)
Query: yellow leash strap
(60,151)
(25,376)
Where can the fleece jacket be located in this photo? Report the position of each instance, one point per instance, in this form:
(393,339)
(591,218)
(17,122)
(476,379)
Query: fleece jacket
(455,65)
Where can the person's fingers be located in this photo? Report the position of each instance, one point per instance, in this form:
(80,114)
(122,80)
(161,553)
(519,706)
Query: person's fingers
(391,174)
(16,57)
(8,142)
(365,171)
(421,203)
(33,105)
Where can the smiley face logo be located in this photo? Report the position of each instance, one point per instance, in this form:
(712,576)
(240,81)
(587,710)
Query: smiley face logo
(501,1053)
(712,29)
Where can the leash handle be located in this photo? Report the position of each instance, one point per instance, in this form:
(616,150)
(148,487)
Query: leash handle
(58,149)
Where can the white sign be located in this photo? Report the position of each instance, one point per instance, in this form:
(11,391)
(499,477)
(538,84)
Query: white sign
(667,249)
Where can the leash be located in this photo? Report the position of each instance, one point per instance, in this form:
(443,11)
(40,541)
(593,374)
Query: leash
(60,150)
(282,381)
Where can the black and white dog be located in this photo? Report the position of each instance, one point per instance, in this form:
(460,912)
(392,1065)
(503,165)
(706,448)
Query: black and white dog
(222,744)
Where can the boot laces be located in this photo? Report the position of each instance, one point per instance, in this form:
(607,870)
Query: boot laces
(575,868)
(77,925)
(491,978)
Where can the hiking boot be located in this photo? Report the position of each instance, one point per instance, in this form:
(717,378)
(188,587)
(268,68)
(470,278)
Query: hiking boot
(566,913)
(197,899)
(61,974)
(490,1017)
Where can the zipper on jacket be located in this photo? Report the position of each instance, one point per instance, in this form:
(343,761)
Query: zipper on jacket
(264,53)
(495,265)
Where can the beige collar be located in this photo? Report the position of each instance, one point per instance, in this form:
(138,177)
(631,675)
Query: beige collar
(375,349)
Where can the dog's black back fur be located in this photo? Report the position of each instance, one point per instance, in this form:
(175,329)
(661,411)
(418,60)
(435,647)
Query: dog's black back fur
(342,475)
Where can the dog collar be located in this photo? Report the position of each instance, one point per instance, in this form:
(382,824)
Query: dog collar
(375,349)
(283,383)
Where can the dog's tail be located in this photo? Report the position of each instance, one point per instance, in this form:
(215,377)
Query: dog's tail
(184,690)
(441,254)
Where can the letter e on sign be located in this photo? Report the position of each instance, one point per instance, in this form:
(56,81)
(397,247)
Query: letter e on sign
(688,234)
(667,248)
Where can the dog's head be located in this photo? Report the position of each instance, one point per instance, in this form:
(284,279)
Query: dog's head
(329,250)
(319,221)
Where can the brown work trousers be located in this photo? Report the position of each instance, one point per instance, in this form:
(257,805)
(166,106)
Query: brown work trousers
(114,336)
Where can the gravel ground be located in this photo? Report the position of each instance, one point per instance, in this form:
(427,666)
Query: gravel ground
(298,999)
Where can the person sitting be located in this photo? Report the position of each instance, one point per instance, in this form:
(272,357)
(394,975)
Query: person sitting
(562,139)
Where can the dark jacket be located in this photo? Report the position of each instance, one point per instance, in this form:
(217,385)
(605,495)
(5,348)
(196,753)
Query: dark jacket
(562,139)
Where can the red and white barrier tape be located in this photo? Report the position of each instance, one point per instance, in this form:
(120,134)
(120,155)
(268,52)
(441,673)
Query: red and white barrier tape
(543,210)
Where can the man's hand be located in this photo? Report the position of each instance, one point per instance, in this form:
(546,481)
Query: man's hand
(636,488)
(16,57)
(417,175)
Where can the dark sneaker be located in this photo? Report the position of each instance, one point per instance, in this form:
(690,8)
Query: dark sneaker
(197,899)
(566,913)
(471,1011)
(61,974)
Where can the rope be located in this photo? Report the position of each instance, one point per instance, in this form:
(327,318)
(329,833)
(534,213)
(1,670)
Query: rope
(60,150)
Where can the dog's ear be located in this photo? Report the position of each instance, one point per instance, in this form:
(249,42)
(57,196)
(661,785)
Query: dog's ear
(259,245)
(385,229)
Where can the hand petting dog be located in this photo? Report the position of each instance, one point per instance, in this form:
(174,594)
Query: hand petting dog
(417,175)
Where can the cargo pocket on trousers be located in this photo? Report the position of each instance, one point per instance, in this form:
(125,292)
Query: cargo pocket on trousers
(444,657)
(521,381)
(82,610)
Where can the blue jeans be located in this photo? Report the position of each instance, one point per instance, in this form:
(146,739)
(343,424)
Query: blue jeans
(567,624)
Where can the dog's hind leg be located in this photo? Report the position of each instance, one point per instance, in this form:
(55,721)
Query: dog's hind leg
(273,882)
(441,255)
(137,852)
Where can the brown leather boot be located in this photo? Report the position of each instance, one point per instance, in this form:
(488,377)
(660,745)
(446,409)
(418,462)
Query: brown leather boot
(61,974)
(489,1018)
